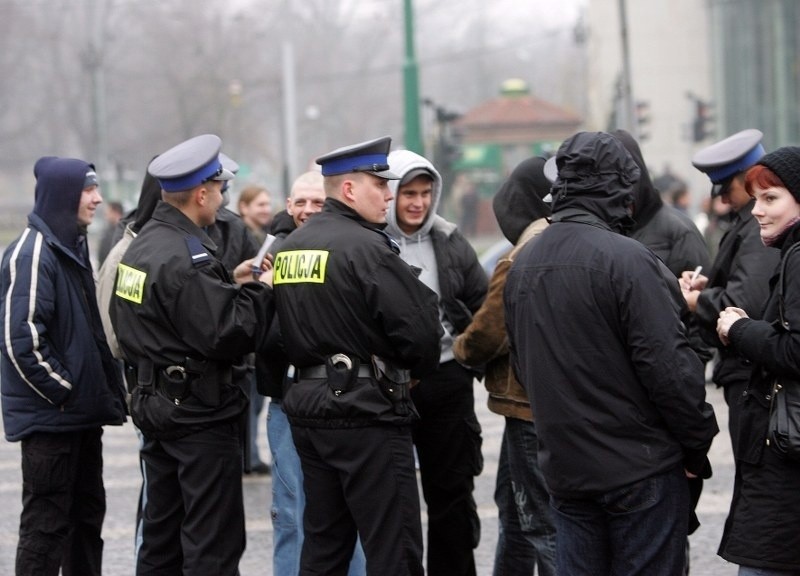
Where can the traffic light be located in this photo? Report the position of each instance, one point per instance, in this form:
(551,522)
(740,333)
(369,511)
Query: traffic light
(642,117)
(702,123)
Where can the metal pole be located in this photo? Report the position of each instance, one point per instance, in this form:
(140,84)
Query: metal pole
(413,132)
(289,117)
(626,121)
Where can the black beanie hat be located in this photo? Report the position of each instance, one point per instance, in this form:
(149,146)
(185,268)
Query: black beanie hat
(785,163)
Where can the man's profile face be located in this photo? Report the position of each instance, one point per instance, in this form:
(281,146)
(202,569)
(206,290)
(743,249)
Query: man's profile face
(213,202)
(304,202)
(90,200)
(371,197)
(735,194)
(413,203)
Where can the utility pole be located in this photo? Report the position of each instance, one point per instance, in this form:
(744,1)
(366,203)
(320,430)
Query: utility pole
(626,116)
(93,63)
(289,116)
(413,132)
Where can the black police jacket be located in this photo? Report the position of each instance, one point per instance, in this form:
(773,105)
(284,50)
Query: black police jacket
(340,287)
(175,301)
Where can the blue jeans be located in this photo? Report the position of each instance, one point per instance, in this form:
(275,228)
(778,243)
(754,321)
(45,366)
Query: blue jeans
(528,531)
(289,501)
(636,530)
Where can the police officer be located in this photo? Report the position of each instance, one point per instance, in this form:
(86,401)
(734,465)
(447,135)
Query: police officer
(357,325)
(740,273)
(185,326)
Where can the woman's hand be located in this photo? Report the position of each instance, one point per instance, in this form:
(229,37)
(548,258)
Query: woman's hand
(726,319)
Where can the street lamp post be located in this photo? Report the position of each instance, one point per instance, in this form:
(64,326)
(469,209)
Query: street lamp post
(413,133)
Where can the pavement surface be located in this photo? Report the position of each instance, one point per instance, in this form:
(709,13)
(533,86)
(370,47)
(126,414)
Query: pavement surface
(122,481)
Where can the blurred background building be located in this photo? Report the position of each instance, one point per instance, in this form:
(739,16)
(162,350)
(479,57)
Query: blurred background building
(117,81)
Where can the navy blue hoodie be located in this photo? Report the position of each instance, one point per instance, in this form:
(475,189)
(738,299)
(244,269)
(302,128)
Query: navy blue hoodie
(56,370)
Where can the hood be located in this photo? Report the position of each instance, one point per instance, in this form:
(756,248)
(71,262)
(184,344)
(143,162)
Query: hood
(149,196)
(401,162)
(596,174)
(282,224)
(518,202)
(646,198)
(59,185)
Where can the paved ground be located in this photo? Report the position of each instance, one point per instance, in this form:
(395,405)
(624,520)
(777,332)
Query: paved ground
(122,485)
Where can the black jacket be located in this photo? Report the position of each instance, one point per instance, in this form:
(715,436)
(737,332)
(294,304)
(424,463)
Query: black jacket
(763,528)
(739,277)
(596,340)
(341,288)
(175,301)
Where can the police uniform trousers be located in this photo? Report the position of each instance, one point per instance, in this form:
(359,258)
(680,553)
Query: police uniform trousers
(448,441)
(359,481)
(193,514)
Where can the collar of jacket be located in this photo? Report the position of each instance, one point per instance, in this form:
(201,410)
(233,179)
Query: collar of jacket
(580,217)
(170,215)
(335,206)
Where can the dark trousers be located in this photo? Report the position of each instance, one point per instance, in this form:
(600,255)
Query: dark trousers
(448,441)
(359,481)
(636,530)
(63,504)
(193,517)
(528,531)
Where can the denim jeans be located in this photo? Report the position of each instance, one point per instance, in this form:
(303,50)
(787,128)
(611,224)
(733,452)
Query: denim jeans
(529,530)
(514,554)
(289,501)
(636,530)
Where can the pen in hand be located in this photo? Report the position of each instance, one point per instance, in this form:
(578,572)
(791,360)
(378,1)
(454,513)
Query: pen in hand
(695,274)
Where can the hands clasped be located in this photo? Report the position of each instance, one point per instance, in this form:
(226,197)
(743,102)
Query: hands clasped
(726,319)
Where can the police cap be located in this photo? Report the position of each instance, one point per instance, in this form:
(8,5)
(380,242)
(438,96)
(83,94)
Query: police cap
(189,164)
(727,158)
(369,157)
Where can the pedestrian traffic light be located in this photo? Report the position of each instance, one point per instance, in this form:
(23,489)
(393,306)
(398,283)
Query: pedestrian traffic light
(642,117)
(702,124)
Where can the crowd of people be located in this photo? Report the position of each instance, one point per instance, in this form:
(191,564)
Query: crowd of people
(366,319)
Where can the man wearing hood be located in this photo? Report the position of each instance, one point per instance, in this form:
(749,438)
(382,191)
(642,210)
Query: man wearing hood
(60,384)
(667,231)
(619,395)
(447,436)
(527,534)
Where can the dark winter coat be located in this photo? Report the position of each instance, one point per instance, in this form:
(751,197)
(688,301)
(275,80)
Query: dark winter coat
(763,528)
(56,373)
(521,215)
(596,340)
(739,277)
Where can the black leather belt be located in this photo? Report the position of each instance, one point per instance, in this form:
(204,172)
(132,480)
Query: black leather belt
(320,371)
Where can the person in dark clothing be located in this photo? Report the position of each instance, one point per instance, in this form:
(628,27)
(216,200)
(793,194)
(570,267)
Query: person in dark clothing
(668,232)
(618,394)
(742,268)
(447,436)
(357,326)
(60,384)
(762,532)
(186,326)
(306,199)
(527,534)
